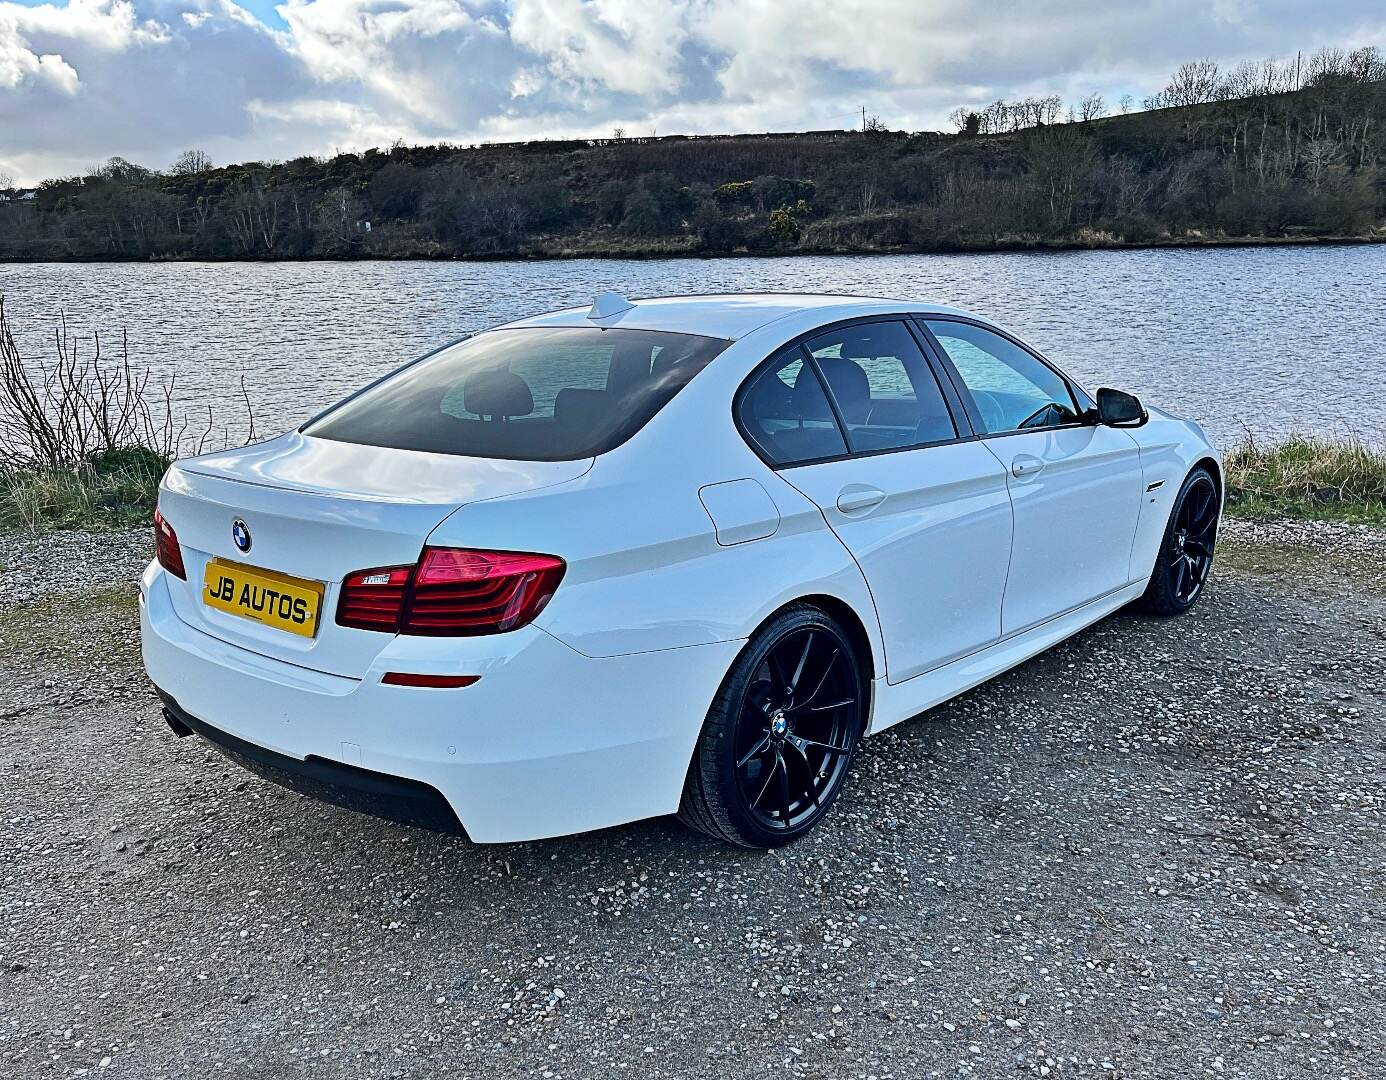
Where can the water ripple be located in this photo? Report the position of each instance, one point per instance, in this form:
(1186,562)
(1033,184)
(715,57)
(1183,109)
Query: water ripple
(1269,340)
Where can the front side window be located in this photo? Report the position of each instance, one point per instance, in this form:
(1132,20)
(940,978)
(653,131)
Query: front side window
(785,413)
(883,387)
(1013,390)
(534,394)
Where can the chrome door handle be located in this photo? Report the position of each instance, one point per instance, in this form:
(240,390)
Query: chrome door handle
(1026,465)
(855,498)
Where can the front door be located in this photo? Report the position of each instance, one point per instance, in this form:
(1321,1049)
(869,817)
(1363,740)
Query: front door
(1075,486)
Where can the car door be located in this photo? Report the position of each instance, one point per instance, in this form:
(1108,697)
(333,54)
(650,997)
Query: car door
(1075,485)
(923,509)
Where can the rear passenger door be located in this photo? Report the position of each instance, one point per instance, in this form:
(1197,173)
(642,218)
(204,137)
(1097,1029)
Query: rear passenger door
(857,420)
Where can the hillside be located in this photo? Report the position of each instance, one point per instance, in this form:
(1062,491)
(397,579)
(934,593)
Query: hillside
(1258,162)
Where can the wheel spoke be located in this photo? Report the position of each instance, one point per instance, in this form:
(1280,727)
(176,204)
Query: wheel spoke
(821,682)
(1206,533)
(801,742)
(1181,569)
(803,659)
(808,770)
(759,748)
(1198,547)
(834,705)
(1202,516)
(768,777)
(777,675)
(1193,507)
(784,787)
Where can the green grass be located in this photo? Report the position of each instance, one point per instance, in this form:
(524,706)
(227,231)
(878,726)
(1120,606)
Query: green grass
(1307,477)
(114,489)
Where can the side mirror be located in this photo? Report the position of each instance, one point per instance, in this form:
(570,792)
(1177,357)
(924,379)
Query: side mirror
(1116,408)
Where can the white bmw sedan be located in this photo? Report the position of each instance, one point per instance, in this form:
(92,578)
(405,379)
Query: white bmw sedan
(671,555)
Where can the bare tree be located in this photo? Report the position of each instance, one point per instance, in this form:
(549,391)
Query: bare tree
(1092,107)
(1366,65)
(1126,103)
(1317,156)
(1194,82)
(191,163)
(1327,64)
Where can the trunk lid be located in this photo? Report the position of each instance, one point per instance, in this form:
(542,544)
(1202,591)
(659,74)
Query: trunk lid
(318,510)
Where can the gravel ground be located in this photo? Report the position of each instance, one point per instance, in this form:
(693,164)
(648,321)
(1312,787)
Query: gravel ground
(1155,851)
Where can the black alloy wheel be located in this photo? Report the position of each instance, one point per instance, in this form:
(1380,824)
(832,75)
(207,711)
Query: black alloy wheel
(1186,555)
(780,736)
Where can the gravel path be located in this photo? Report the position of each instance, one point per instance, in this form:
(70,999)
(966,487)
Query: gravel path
(1155,851)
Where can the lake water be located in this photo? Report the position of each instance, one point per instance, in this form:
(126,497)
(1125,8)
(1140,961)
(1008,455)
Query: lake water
(1266,340)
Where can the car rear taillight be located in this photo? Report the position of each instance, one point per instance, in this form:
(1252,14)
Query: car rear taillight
(373,599)
(166,548)
(451,592)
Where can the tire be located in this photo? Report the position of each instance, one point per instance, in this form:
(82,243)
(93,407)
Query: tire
(1186,551)
(808,713)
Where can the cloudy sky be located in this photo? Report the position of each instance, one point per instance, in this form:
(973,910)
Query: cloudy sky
(83,80)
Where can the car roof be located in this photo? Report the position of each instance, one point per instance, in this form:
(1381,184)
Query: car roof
(732,315)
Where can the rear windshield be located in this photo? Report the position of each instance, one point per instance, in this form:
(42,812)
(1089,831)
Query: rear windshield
(539,394)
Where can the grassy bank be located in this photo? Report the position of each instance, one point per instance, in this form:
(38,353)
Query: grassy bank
(1306,477)
(114,489)
(1322,479)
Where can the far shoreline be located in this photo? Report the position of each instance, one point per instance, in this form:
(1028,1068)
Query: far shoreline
(559,253)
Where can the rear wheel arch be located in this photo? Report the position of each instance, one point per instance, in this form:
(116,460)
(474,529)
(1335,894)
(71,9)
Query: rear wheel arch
(842,613)
(845,615)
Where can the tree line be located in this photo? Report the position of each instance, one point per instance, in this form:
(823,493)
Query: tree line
(1259,150)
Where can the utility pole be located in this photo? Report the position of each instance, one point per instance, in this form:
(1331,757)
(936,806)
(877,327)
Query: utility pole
(863,118)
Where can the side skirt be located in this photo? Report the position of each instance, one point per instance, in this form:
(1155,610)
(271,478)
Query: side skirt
(904,700)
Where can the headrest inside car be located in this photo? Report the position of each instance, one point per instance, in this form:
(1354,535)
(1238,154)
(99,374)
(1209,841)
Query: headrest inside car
(857,348)
(850,387)
(498,392)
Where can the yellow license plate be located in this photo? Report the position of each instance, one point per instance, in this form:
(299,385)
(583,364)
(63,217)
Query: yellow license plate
(278,600)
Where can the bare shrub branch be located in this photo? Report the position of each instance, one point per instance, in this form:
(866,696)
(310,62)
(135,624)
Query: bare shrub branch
(63,414)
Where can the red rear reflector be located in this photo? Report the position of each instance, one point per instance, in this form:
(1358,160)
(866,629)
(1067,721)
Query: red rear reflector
(166,548)
(451,592)
(441,682)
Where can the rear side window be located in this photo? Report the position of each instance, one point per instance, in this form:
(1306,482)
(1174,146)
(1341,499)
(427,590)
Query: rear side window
(883,387)
(535,394)
(784,411)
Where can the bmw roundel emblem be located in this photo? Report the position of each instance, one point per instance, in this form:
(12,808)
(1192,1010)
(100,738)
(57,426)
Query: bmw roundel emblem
(240,533)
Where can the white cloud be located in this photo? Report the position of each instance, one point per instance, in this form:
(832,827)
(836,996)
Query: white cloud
(18,66)
(148,78)
(627,46)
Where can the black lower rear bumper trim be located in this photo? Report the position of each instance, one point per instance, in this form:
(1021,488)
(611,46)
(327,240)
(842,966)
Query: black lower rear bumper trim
(395,798)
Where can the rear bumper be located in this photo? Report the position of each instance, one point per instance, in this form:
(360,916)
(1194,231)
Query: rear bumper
(393,798)
(548,742)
